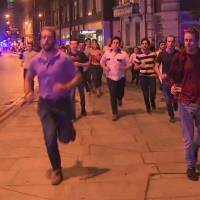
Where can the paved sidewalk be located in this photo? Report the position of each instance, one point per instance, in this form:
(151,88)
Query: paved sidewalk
(138,157)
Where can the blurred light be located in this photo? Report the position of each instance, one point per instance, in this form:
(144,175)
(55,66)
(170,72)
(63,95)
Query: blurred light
(7,22)
(87,31)
(7,16)
(26,23)
(89,13)
(40,15)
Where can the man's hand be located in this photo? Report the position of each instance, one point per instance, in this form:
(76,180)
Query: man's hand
(175,89)
(163,76)
(60,86)
(29,97)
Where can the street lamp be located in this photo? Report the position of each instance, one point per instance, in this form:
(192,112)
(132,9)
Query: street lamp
(7,16)
(40,15)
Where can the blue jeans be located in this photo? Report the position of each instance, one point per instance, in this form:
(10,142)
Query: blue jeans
(190,116)
(82,99)
(56,122)
(168,98)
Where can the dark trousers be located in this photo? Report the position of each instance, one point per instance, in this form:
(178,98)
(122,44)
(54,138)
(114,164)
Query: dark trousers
(87,80)
(82,99)
(148,85)
(116,89)
(56,123)
(97,73)
(170,102)
(135,75)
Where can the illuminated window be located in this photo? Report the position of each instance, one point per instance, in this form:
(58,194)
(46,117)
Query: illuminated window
(98,6)
(80,8)
(90,7)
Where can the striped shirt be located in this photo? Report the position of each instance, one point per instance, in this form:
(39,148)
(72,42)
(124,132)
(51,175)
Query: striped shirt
(147,63)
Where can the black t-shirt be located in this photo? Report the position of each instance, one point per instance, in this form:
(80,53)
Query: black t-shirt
(79,57)
(166,59)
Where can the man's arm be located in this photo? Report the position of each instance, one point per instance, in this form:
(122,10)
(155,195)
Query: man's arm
(28,88)
(103,62)
(156,68)
(69,85)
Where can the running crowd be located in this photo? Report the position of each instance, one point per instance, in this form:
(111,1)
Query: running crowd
(61,71)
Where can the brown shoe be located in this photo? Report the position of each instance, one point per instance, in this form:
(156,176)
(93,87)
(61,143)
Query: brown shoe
(57,177)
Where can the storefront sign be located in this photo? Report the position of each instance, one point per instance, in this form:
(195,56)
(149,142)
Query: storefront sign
(127,9)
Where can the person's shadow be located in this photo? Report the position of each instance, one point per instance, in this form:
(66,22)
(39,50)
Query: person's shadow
(78,170)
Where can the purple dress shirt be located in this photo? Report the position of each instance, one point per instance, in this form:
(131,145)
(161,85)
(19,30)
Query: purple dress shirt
(57,69)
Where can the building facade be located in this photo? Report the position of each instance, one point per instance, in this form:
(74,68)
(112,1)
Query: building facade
(155,19)
(82,19)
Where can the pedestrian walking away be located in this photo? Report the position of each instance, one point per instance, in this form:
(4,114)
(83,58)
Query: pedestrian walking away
(115,63)
(184,78)
(56,75)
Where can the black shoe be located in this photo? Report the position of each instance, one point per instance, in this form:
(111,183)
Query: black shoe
(149,111)
(154,107)
(83,113)
(172,120)
(192,174)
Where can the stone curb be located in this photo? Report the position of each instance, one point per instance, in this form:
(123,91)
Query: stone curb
(18,103)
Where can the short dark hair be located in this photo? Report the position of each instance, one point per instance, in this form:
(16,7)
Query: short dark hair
(194,32)
(50,29)
(74,39)
(145,39)
(170,36)
(87,39)
(116,38)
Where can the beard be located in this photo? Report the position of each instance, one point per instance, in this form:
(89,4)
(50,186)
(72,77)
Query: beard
(48,47)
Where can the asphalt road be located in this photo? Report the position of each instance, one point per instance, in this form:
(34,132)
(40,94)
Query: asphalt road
(11,79)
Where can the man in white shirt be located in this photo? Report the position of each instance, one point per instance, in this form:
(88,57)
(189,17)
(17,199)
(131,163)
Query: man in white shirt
(115,62)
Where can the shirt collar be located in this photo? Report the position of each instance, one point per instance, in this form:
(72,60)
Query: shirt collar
(55,54)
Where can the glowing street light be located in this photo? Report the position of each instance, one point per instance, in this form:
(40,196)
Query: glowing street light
(7,16)
(40,15)
(8,23)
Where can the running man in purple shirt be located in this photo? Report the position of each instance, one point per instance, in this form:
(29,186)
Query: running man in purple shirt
(56,75)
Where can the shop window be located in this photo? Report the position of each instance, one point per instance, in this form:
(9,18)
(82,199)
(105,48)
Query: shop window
(90,7)
(98,6)
(80,8)
(75,9)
